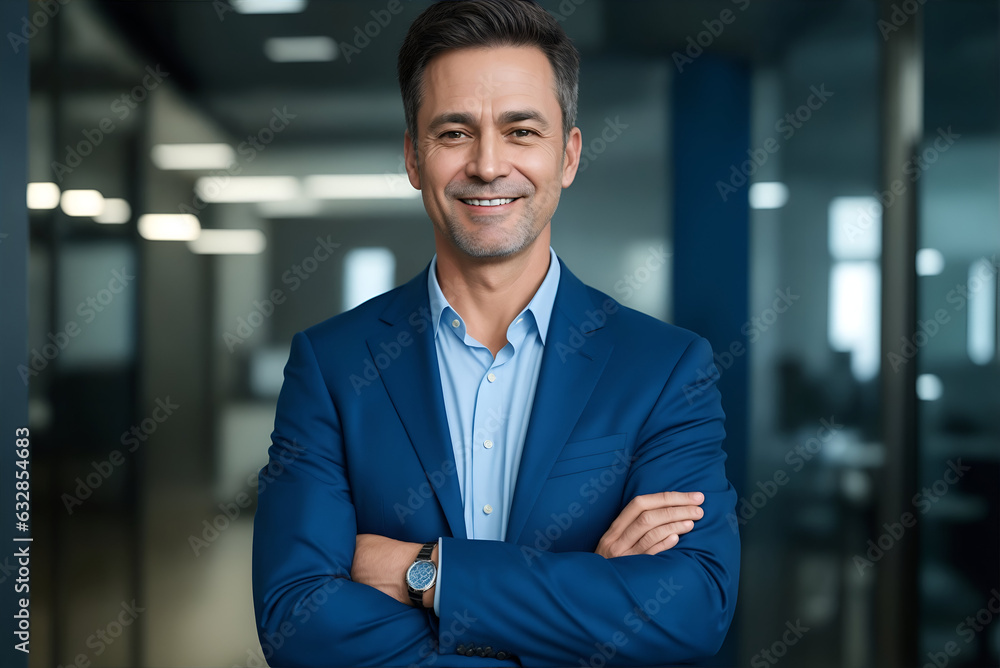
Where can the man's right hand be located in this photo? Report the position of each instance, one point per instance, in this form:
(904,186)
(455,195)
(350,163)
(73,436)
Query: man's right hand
(651,523)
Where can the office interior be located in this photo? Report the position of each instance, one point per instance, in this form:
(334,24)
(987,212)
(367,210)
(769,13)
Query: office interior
(812,186)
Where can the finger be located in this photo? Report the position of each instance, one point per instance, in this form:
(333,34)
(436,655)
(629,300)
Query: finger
(646,502)
(656,519)
(657,535)
(665,544)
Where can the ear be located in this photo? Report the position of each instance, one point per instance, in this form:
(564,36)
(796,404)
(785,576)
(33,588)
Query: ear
(571,158)
(410,158)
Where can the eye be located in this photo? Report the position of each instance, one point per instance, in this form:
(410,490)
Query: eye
(527,133)
(453,134)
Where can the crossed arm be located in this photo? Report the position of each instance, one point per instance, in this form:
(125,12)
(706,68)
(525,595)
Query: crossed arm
(649,524)
(323,595)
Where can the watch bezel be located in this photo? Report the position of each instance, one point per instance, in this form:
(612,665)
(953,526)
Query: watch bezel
(409,571)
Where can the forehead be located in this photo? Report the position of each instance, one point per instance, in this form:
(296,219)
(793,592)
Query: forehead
(471,76)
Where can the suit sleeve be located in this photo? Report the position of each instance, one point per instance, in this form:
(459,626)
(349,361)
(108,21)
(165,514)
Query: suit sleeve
(556,609)
(309,612)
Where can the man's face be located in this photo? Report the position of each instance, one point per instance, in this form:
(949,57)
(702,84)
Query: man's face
(491,161)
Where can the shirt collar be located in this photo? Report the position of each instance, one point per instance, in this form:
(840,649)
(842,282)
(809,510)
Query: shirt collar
(540,305)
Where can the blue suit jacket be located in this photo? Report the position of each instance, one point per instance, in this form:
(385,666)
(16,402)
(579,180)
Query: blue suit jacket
(625,405)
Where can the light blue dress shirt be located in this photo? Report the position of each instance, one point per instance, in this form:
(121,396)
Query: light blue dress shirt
(488,403)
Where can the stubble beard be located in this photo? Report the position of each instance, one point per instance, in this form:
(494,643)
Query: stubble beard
(475,243)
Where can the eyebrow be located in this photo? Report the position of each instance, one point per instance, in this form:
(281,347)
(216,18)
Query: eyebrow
(506,118)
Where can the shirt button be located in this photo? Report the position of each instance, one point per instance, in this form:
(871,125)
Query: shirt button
(488,444)
(456,322)
(487,509)
(491,377)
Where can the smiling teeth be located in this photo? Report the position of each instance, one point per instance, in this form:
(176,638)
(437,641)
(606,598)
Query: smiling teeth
(489,202)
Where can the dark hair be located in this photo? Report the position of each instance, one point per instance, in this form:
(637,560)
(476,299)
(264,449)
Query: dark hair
(463,24)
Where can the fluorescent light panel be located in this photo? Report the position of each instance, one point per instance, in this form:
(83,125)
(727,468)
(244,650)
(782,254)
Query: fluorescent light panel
(301,49)
(930,262)
(360,186)
(82,203)
(247,188)
(229,242)
(768,195)
(929,387)
(982,333)
(43,196)
(368,272)
(192,156)
(116,211)
(169,226)
(268,6)
(855,228)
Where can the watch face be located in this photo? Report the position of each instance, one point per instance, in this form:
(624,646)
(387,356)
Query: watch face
(420,576)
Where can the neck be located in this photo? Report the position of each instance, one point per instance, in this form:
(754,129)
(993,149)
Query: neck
(488,293)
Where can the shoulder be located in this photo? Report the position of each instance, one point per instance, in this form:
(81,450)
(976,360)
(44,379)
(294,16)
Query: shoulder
(630,328)
(405,303)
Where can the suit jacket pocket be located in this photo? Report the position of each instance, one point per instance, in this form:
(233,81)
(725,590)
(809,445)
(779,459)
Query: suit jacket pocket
(593,453)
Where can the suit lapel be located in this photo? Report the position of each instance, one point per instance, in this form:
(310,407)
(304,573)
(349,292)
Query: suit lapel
(413,382)
(576,351)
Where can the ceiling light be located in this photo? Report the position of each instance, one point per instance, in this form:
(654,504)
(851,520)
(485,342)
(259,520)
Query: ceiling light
(116,211)
(43,195)
(268,6)
(930,262)
(360,186)
(169,226)
(301,49)
(82,203)
(228,242)
(768,195)
(192,156)
(247,188)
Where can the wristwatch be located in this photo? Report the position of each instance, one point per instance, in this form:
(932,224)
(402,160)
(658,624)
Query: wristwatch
(421,575)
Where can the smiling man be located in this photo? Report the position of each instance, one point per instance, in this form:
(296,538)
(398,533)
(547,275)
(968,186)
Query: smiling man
(536,477)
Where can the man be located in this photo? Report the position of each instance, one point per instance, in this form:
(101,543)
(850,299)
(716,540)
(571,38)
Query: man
(535,475)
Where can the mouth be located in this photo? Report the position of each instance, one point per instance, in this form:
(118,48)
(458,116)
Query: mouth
(489,203)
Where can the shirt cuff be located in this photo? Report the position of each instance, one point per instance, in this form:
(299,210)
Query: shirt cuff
(437,586)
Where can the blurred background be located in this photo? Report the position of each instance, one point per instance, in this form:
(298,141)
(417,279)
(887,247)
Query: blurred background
(813,186)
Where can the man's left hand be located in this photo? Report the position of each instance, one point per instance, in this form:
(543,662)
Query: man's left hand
(381,562)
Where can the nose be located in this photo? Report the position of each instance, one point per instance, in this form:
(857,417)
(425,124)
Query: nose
(488,160)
